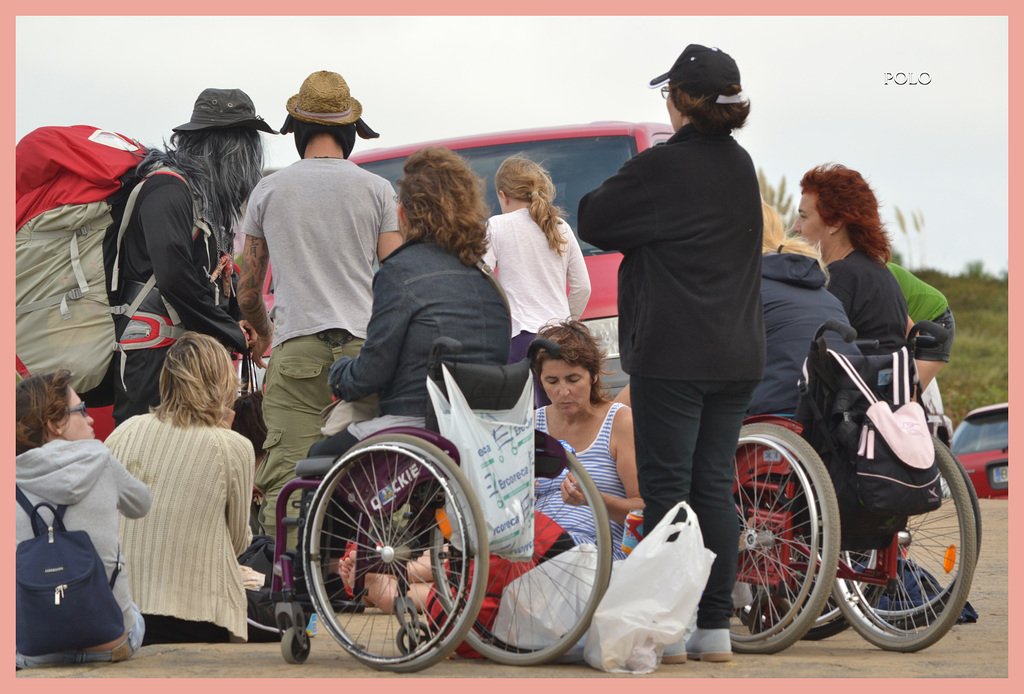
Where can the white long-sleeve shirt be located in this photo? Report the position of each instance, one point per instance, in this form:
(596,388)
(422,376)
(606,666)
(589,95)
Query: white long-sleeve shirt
(534,276)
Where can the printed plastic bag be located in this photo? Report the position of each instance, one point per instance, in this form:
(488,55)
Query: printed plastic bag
(497,455)
(651,598)
(544,603)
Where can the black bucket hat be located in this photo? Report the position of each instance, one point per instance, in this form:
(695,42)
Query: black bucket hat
(701,71)
(225,108)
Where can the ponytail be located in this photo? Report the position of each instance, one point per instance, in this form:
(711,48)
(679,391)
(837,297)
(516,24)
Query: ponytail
(522,179)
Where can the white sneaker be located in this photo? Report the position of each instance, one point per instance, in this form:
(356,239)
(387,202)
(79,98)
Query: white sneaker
(675,654)
(710,645)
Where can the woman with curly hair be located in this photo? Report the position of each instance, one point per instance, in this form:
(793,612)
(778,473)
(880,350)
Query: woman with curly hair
(839,212)
(183,556)
(429,287)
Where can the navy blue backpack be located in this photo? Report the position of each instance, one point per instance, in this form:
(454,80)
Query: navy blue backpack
(64,601)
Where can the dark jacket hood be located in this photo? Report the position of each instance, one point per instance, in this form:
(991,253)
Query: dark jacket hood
(794,269)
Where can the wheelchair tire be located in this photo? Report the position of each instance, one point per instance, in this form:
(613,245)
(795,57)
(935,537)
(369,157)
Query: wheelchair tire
(513,642)
(789,538)
(295,645)
(944,544)
(392,497)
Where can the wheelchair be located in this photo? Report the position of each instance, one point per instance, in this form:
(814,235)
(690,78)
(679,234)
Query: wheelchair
(901,588)
(398,502)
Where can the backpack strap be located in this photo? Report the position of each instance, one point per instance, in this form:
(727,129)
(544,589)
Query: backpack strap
(855,376)
(128,209)
(33,513)
(901,377)
(164,332)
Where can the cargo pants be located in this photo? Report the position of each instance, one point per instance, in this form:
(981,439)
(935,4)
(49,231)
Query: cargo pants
(296,392)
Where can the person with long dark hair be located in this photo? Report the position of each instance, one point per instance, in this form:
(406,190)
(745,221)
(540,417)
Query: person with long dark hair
(181,235)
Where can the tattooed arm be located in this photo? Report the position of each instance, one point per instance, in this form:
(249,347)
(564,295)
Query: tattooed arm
(255,261)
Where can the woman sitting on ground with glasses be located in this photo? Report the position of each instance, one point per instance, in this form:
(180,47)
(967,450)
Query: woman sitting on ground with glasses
(60,461)
(183,556)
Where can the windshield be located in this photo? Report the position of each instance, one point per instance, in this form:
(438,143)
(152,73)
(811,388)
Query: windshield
(577,166)
(987,432)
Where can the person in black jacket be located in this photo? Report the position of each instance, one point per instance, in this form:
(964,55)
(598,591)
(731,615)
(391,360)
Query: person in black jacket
(180,232)
(687,217)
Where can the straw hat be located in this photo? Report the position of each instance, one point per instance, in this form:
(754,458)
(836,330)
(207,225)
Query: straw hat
(324,98)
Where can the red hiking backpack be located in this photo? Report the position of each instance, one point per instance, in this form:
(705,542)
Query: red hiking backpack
(65,177)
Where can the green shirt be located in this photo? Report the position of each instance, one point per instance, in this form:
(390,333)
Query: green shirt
(924,302)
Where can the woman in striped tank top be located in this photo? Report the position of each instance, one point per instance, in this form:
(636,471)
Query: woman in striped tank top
(601,433)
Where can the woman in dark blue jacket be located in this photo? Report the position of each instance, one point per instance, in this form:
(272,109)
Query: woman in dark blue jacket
(429,287)
(796,303)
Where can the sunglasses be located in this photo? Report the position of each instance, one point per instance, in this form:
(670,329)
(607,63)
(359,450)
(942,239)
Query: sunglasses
(665,91)
(79,408)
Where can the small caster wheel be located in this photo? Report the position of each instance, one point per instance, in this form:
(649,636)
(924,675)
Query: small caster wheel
(295,645)
(411,636)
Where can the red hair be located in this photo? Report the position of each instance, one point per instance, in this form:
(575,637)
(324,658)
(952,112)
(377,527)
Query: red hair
(846,199)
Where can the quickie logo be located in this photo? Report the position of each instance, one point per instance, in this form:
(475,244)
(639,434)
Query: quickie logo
(387,493)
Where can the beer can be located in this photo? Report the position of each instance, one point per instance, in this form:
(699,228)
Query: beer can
(634,531)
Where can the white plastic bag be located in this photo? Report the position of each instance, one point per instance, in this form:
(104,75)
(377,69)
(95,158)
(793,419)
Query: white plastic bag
(497,455)
(651,598)
(540,606)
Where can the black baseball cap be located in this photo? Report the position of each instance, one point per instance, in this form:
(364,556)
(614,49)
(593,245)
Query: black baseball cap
(701,71)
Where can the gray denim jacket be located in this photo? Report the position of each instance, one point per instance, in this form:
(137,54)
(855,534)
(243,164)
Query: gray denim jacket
(420,293)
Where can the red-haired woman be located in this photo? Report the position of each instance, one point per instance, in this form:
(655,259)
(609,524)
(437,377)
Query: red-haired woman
(839,212)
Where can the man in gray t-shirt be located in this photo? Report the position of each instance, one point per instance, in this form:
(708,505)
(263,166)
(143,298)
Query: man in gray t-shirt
(323,222)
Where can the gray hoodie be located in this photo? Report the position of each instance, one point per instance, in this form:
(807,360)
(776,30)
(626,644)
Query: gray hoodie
(95,486)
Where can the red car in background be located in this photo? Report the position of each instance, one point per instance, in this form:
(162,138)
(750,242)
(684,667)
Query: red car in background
(982,443)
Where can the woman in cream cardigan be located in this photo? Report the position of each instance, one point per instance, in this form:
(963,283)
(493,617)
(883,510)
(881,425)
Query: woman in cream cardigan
(183,555)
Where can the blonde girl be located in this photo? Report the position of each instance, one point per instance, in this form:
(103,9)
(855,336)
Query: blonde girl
(535,254)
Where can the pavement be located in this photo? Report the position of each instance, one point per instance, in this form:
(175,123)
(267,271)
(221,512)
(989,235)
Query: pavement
(978,650)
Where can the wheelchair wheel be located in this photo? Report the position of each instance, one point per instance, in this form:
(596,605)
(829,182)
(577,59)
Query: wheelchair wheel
(832,621)
(937,555)
(561,593)
(295,645)
(789,538)
(388,500)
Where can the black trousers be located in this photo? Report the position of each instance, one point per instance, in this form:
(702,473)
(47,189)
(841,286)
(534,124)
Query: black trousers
(164,629)
(686,434)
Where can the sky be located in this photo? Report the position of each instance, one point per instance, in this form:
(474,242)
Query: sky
(918,105)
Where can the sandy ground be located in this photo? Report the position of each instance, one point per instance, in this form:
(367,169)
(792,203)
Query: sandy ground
(978,650)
